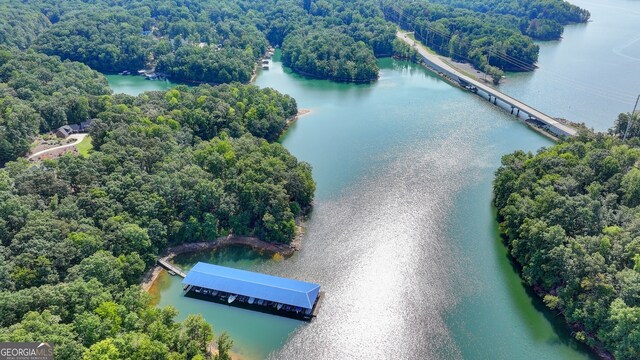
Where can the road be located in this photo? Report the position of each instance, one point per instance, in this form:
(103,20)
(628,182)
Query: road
(560,129)
(77,137)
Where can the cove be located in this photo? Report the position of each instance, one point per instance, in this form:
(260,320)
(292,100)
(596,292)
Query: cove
(134,85)
(402,238)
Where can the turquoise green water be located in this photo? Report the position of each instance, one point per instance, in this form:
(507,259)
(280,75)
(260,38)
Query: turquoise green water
(254,334)
(403,237)
(134,85)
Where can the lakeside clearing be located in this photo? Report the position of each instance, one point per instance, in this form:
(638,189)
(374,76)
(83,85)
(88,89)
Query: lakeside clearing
(85,146)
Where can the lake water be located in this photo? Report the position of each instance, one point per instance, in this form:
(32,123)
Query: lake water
(403,236)
(593,74)
(134,84)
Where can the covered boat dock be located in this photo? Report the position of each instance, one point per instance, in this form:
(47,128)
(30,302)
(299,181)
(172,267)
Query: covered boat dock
(255,291)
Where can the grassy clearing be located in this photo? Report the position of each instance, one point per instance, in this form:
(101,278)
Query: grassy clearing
(473,76)
(84,146)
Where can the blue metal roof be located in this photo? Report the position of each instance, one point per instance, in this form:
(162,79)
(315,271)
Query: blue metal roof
(247,283)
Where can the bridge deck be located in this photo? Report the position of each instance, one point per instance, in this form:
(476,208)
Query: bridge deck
(439,63)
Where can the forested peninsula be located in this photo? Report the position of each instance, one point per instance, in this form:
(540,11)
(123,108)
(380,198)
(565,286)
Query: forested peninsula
(570,215)
(220,41)
(186,165)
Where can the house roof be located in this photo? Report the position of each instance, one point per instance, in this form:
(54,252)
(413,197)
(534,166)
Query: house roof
(86,123)
(64,130)
(257,285)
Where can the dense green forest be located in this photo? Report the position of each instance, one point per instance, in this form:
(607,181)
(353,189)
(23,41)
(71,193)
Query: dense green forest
(20,25)
(489,42)
(337,40)
(540,19)
(321,53)
(220,41)
(185,165)
(113,37)
(571,218)
(207,65)
(39,93)
(107,41)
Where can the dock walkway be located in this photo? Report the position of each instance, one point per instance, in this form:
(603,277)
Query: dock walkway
(165,264)
(440,65)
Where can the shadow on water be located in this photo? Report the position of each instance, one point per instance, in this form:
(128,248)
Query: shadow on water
(255,334)
(557,321)
(329,86)
(162,283)
(237,256)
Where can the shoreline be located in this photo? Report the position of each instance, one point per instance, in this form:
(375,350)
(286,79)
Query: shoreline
(596,348)
(296,117)
(284,250)
(254,74)
(344,81)
(453,83)
(213,350)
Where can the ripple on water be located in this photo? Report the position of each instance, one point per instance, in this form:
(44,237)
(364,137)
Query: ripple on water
(406,275)
(394,280)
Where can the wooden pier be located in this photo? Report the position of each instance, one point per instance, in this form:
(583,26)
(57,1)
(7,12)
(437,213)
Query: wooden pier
(165,264)
(435,62)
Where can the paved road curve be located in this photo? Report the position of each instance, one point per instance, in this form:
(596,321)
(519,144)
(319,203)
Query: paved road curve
(554,126)
(77,137)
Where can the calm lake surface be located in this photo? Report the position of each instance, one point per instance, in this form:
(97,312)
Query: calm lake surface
(403,236)
(134,84)
(593,74)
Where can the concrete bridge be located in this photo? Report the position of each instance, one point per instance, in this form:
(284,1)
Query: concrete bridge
(535,116)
